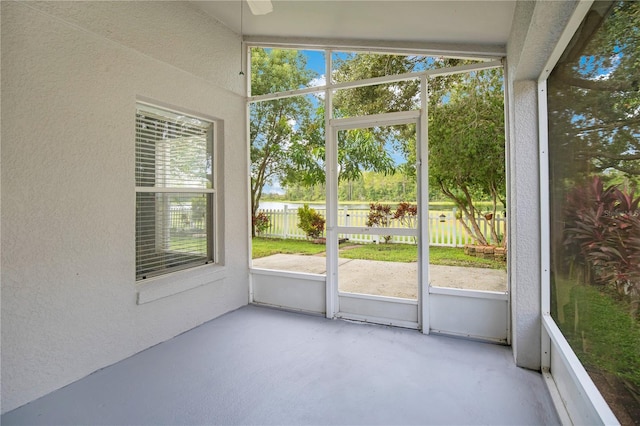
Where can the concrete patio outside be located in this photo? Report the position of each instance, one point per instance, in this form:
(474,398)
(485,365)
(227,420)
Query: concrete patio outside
(394,279)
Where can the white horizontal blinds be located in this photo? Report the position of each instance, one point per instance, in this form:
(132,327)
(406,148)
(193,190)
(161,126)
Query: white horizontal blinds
(174,192)
(171,232)
(172,152)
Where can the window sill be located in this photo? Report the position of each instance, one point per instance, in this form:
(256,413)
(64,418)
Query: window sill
(177,282)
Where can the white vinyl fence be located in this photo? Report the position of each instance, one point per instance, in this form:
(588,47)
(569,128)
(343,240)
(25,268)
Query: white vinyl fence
(444,228)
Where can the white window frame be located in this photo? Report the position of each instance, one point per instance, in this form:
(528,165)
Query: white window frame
(164,283)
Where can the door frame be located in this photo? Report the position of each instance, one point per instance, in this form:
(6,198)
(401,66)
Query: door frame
(417,117)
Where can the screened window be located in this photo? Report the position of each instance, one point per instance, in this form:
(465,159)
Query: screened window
(594,151)
(174,191)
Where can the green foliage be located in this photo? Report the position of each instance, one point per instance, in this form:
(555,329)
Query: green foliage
(466,131)
(405,253)
(310,221)
(287,135)
(261,222)
(466,127)
(603,234)
(272,130)
(448,256)
(388,252)
(262,247)
(407,215)
(602,333)
(594,101)
(594,122)
(199,210)
(466,145)
(358,151)
(371,186)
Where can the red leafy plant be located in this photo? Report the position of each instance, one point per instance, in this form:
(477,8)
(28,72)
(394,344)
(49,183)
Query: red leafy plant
(261,222)
(407,215)
(380,217)
(602,232)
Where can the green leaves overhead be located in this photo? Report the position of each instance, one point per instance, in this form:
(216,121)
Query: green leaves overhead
(273,130)
(278,70)
(594,96)
(467,145)
(466,128)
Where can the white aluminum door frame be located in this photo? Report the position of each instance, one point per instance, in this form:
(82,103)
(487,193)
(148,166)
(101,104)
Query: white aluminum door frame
(417,117)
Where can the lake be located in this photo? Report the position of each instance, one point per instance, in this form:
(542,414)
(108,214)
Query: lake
(279,205)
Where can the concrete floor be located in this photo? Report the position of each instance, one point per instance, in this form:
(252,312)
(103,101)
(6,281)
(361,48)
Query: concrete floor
(263,366)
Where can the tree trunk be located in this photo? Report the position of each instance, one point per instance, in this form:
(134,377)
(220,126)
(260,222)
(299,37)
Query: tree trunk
(469,213)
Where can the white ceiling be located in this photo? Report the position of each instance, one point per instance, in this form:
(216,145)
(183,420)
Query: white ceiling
(474,22)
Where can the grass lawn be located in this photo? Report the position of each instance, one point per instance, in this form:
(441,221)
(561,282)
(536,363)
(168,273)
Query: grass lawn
(606,337)
(387,252)
(267,246)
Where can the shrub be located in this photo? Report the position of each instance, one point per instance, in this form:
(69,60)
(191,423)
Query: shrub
(380,217)
(261,222)
(407,214)
(602,233)
(310,221)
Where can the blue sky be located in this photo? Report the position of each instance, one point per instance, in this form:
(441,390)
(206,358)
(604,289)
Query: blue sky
(316,62)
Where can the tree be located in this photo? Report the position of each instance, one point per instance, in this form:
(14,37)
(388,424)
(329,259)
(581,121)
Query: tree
(466,127)
(273,130)
(358,151)
(594,109)
(287,135)
(466,147)
(595,98)
(466,136)
(383,98)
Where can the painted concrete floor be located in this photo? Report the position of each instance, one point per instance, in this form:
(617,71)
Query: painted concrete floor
(263,366)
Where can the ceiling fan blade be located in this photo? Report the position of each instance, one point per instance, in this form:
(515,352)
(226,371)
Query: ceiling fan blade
(260,7)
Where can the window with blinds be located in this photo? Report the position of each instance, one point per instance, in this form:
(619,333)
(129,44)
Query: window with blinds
(175,191)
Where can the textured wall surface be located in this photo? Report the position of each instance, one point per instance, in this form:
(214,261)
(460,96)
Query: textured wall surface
(71,74)
(524,241)
(536,28)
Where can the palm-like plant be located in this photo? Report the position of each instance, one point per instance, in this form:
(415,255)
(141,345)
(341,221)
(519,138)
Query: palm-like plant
(602,233)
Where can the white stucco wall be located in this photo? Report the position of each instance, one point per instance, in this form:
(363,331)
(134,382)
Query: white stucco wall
(536,28)
(71,74)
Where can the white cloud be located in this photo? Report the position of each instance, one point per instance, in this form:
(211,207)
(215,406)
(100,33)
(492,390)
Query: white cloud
(319,81)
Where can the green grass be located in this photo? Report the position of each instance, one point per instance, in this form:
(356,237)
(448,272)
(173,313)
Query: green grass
(606,337)
(449,256)
(386,252)
(267,246)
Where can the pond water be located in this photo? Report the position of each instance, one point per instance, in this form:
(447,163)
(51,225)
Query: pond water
(279,205)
